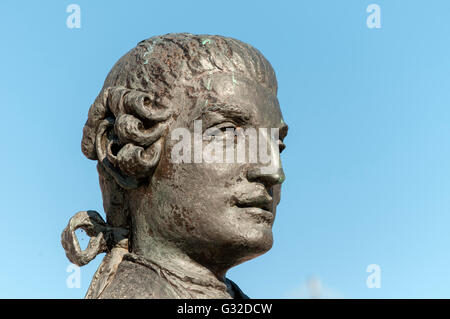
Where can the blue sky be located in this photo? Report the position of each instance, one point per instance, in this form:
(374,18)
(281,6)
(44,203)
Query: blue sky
(367,158)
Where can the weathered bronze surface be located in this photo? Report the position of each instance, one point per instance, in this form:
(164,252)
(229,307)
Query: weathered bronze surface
(174,229)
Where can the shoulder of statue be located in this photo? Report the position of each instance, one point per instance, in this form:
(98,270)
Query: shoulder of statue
(136,278)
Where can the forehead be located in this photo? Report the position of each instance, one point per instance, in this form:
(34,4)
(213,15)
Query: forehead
(239,95)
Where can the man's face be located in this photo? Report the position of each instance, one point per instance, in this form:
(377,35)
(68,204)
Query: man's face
(220,213)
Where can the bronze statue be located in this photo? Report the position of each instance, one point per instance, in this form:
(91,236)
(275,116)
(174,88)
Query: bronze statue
(174,227)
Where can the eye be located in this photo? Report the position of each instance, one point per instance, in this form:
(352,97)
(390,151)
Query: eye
(220,129)
(224,126)
(281,145)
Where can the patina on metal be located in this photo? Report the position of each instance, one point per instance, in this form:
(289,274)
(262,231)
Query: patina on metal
(173,230)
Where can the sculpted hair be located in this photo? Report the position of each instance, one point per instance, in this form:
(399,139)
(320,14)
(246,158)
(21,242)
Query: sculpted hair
(129,118)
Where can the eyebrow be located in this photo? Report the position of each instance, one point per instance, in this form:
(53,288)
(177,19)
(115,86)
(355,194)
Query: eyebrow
(240,115)
(234,112)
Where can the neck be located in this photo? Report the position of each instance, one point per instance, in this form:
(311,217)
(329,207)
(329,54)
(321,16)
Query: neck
(180,267)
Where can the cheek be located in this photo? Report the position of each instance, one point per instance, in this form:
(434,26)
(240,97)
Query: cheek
(191,200)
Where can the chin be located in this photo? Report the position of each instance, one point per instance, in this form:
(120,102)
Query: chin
(253,243)
(260,240)
(226,252)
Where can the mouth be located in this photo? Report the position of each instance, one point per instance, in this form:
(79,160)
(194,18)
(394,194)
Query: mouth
(256,203)
(259,206)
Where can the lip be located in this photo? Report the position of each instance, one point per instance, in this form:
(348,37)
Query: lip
(263,204)
(259,213)
(259,206)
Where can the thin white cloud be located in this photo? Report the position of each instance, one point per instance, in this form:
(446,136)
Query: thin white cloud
(313,288)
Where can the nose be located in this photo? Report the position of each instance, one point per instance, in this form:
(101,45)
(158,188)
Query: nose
(269,174)
(270,179)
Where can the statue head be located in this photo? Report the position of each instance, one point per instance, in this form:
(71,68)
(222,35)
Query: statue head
(164,105)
